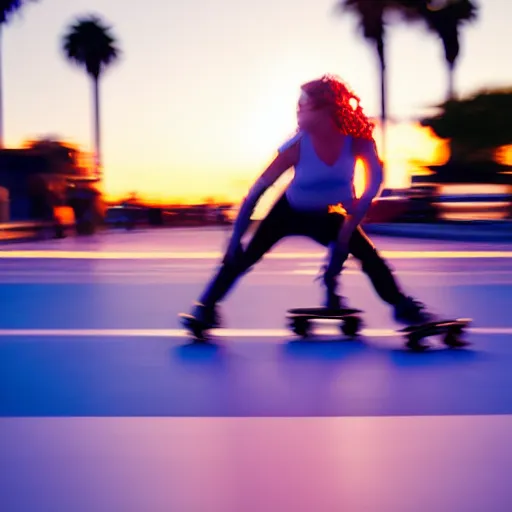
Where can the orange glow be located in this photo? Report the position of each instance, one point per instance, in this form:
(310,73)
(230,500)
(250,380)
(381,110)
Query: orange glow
(409,146)
(337,208)
(161,178)
(504,155)
(359,178)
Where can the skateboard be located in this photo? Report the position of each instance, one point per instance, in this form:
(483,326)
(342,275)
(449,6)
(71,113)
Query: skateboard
(350,325)
(300,320)
(452,331)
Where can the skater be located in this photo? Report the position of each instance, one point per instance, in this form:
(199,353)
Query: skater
(319,203)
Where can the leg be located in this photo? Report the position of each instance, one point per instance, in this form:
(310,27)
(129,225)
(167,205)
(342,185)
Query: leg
(406,309)
(374,266)
(265,237)
(272,229)
(323,228)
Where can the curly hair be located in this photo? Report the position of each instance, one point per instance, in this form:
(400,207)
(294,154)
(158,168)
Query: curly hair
(330,91)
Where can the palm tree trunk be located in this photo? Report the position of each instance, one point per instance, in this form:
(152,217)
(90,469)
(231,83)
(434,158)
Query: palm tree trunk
(97,150)
(451,81)
(383,99)
(1,96)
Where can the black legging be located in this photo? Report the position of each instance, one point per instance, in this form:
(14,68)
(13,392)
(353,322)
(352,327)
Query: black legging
(323,227)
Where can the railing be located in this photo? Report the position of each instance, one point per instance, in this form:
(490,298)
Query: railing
(63,221)
(22,231)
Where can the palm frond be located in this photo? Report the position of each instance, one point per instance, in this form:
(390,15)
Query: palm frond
(90,44)
(9,8)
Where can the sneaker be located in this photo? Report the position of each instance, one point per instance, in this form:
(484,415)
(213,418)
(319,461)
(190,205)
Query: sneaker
(209,316)
(409,311)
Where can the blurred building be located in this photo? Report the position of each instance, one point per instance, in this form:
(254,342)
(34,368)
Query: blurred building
(37,179)
(469,191)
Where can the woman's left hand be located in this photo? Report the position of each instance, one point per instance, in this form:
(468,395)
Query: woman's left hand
(339,249)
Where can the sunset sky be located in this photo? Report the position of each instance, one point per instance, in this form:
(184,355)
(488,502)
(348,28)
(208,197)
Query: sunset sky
(206,91)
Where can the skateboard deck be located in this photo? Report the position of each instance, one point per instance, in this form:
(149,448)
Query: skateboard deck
(300,319)
(453,331)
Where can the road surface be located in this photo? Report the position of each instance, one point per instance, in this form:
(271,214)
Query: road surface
(105,405)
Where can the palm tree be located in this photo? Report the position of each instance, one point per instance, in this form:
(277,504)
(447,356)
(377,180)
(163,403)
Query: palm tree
(90,44)
(372,16)
(444,18)
(7,9)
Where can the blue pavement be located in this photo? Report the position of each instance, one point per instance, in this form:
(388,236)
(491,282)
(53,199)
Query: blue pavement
(106,405)
(96,376)
(476,231)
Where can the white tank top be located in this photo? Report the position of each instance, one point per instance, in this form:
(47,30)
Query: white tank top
(316,185)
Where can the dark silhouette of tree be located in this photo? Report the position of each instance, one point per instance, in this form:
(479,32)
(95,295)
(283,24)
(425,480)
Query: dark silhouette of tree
(65,158)
(7,9)
(445,18)
(90,44)
(49,143)
(373,17)
(475,126)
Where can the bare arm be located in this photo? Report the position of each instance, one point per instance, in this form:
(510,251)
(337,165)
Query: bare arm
(281,163)
(366,150)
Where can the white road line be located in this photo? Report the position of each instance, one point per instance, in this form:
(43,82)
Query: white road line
(207,270)
(226,333)
(174,333)
(155,255)
(312,272)
(153,273)
(491,330)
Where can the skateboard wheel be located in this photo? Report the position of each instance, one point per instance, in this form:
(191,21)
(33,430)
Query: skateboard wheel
(350,326)
(452,340)
(456,330)
(414,343)
(300,326)
(199,334)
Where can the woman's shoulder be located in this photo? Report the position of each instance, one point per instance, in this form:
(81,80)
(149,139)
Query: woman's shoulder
(290,142)
(362,145)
